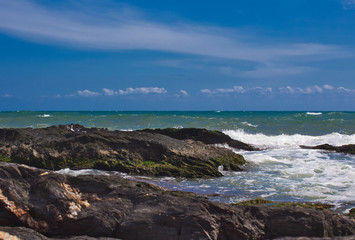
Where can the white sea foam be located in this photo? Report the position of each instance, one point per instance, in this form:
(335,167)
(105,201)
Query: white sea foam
(249,124)
(299,173)
(44,115)
(314,113)
(294,140)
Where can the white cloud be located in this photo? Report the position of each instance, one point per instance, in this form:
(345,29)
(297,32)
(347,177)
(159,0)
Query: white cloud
(261,89)
(109,92)
(328,87)
(183,92)
(87,93)
(297,90)
(142,90)
(283,90)
(6,96)
(235,89)
(345,90)
(117,29)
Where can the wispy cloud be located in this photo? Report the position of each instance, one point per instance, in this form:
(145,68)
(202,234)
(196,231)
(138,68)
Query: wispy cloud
(183,92)
(120,92)
(115,29)
(109,92)
(281,90)
(6,96)
(348,4)
(235,89)
(143,90)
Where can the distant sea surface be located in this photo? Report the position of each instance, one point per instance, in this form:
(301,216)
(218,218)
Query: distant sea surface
(281,172)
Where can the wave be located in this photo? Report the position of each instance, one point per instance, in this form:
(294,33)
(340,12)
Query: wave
(44,115)
(314,113)
(283,140)
(249,124)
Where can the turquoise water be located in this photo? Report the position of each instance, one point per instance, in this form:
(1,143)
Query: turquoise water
(271,123)
(281,172)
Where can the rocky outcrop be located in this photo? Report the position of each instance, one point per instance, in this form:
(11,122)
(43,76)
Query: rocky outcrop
(135,152)
(110,206)
(203,135)
(347,149)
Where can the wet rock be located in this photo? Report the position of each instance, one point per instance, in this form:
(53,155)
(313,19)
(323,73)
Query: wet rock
(143,153)
(203,135)
(58,205)
(347,149)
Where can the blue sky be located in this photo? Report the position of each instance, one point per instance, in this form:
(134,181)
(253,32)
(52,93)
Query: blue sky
(177,55)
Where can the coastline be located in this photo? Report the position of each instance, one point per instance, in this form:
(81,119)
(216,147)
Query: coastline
(78,204)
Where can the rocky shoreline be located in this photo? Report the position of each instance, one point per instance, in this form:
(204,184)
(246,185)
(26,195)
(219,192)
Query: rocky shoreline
(37,203)
(59,206)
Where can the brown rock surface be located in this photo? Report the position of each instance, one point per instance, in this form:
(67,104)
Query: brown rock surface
(109,206)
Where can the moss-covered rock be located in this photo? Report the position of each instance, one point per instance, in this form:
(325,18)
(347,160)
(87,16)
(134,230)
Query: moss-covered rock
(77,147)
(261,201)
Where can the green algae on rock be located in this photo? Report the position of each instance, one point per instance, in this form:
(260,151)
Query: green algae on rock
(137,152)
(261,201)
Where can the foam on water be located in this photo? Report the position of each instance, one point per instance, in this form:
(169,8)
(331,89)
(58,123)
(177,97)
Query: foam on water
(314,113)
(294,140)
(249,124)
(44,115)
(303,174)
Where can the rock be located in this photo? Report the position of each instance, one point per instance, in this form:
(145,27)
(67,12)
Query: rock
(351,213)
(261,201)
(22,233)
(347,149)
(58,205)
(138,152)
(203,135)
(316,238)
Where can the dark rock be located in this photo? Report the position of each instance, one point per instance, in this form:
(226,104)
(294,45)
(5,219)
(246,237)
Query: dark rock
(22,233)
(110,206)
(136,152)
(203,135)
(347,149)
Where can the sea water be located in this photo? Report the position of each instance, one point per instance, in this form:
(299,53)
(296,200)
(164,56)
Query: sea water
(282,171)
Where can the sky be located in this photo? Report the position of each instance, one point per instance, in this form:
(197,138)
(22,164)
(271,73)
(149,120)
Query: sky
(276,55)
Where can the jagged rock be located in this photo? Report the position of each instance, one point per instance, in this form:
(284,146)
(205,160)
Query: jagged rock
(136,152)
(347,149)
(203,135)
(110,206)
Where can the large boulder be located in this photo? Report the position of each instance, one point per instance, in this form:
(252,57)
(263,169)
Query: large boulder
(110,206)
(133,152)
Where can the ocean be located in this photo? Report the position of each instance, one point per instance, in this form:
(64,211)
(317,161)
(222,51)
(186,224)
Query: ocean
(282,171)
